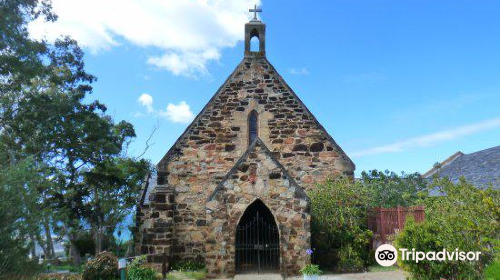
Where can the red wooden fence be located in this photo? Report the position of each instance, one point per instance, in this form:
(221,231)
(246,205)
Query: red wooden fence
(384,221)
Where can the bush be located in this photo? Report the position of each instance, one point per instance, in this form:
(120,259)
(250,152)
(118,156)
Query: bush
(388,189)
(350,260)
(338,223)
(24,268)
(188,266)
(103,267)
(492,271)
(311,269)
(465,218)
(59,277)
(137,271)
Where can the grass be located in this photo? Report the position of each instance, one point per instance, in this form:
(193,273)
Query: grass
(492,271)
(198,275)
(195,275)
(68,267)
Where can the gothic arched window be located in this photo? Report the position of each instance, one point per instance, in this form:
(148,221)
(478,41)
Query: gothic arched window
(253,126)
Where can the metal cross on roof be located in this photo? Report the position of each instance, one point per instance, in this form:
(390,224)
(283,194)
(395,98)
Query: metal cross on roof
(255,10)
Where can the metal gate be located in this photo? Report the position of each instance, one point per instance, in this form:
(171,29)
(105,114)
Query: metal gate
(257,246)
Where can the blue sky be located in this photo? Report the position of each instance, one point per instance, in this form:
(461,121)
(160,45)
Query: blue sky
(399,85)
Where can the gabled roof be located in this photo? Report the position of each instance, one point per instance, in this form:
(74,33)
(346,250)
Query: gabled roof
(442,164)
(198,117)
(148,187)
(175,146)
(299,192)
(481,168)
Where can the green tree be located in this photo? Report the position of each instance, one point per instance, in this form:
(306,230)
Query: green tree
(114,189)
(77,142)
(69,143)
(388,189)
(339,224)
(466,218)
(21,59)
(13,228)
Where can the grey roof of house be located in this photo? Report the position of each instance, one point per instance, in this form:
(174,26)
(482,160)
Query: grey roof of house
(148,188)
(481,168)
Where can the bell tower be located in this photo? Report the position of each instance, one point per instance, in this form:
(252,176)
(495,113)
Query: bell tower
(255,28)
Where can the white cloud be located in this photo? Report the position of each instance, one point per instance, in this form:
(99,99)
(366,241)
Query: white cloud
(146,100)
(187,64)
(180,113)
(299,71)
(186,34)
(430,139)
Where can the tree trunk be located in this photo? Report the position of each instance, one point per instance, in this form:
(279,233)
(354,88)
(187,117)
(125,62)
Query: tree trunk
(37,239)
(48,239)
(73,251)
(98,240)
(130,249)
(32,247)
(98,225)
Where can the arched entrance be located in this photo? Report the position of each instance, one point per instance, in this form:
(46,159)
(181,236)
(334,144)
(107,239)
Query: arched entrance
(257,241)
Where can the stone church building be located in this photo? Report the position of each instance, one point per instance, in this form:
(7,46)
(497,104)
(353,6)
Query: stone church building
(232,191)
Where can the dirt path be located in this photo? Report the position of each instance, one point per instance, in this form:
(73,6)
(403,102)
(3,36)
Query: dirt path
(386,275)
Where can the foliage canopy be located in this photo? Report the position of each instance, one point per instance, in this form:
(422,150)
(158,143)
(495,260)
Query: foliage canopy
(466,218)
(64,165)
(338,224)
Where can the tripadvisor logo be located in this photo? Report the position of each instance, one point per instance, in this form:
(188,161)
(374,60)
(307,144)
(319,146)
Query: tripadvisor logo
(387,255)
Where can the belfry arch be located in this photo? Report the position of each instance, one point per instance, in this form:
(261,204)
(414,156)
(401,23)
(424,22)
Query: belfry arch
(255,29)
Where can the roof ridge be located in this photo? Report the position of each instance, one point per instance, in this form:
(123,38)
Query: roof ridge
(145,188)
(483,150)
(320,126)
(442,164)
(455,156)
(284,83)
(202,111)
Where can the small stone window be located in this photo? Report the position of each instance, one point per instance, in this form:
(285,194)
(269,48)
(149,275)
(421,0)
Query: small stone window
(255,44)
(253,126)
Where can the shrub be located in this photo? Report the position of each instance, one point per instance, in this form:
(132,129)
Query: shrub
(465,218)
(189,265)
(59,277)
(388,189)
(338,221)
(311,269)
(350,260)
(24,269)
(492,271)
(103,267)
(137,271)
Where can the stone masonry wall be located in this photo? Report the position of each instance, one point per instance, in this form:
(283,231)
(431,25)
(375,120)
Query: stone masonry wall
(219,136)
(155,227)
(258,176)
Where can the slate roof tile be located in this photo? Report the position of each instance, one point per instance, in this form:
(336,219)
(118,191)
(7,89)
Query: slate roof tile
(481,168)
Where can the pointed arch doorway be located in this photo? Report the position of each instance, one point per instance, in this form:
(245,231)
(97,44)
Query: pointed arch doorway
(257,241)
